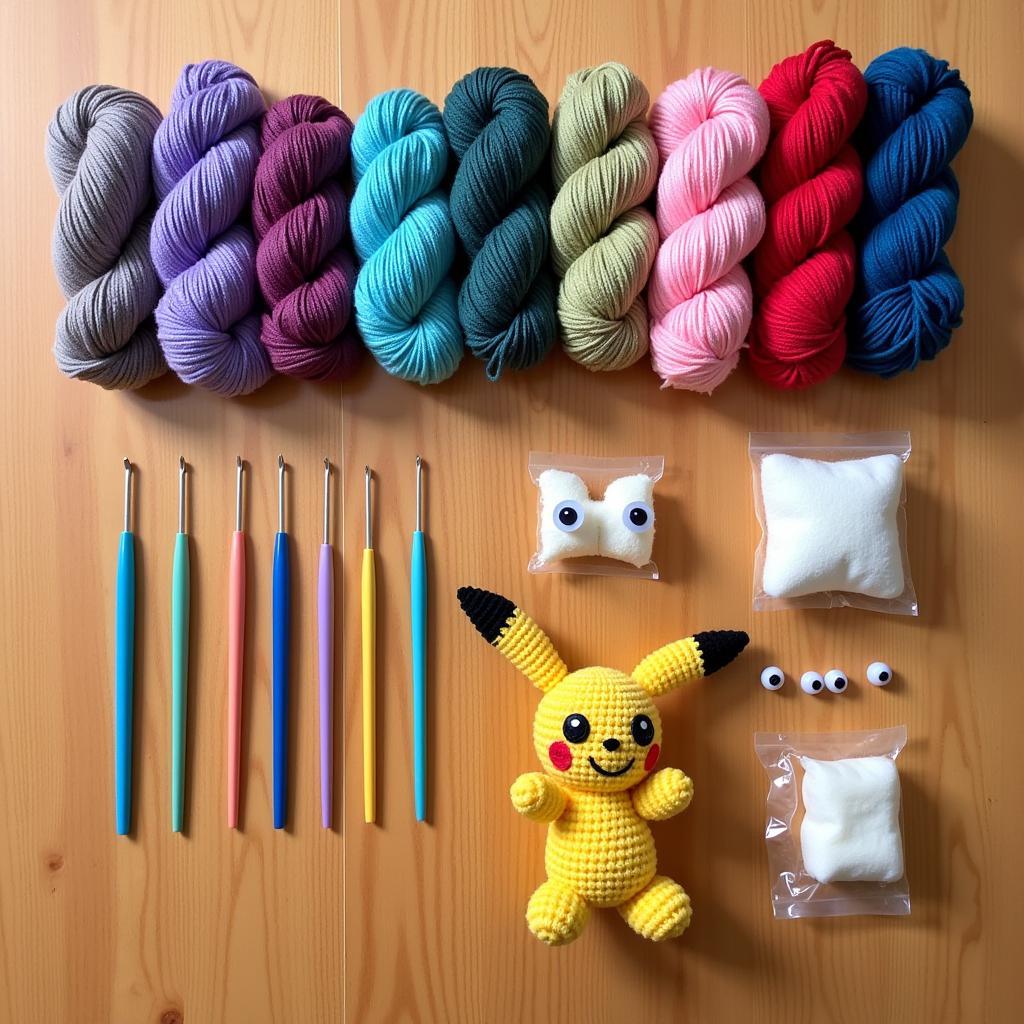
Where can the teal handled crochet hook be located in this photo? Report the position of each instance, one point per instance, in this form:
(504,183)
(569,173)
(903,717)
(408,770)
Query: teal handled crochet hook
(282,652)
(124,664)
(418,607)
(180,587)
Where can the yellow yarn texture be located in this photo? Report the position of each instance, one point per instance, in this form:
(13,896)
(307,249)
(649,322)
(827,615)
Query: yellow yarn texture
(597,735)
(604,163)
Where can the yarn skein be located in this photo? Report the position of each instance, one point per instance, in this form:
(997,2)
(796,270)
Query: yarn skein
(711,129)
(403,234)
(204,162)
(604,164)
(909,299)
(300,215)
(98,149)
(497,123)
(812,184)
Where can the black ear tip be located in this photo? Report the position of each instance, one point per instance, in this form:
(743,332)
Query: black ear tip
(720,646)
(488,612)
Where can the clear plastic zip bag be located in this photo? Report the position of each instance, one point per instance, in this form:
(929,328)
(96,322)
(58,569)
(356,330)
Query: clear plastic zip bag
(852,843)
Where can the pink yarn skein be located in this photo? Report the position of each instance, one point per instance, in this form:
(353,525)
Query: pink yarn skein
(711,129)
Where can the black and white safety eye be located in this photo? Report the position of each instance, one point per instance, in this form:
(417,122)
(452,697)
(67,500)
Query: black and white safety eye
(638,517)
(812,683)
(575,728)
(642,729)
(878,673)
(772,677)
(836,681)
(568,516)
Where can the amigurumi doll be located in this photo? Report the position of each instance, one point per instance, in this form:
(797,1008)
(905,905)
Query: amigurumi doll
(597,734)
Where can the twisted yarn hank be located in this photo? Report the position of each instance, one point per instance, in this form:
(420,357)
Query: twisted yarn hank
(403,235)
(812,184)
(497,123)
(300,214)
(909,299)
(98,149)
(603,243)
(711,129)
(204,161)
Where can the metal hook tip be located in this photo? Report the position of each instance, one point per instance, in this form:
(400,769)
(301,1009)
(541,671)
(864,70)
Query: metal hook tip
(327,465)
(238,461)
(181,463)
(127,464)
(280,462)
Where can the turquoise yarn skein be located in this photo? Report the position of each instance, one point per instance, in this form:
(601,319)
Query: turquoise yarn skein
(497,123)
(402,229)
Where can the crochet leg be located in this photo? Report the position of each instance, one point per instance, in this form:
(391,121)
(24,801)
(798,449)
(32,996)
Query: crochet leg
(556,914)
(660,910)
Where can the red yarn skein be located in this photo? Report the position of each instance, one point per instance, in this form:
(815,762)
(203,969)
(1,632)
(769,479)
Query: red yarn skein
(811,178)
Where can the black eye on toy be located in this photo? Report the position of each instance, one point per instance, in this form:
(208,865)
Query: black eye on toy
(638,517)
(642,729)
(575,728)
(568,516)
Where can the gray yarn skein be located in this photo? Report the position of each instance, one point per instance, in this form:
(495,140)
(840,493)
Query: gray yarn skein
(98,148)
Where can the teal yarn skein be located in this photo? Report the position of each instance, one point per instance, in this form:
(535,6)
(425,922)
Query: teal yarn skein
(497,123)
(402,230)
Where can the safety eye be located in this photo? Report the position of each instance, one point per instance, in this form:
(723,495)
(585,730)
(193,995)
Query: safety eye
(568,516)
(878,673)
(638,517)
(811,682)
(642,729)
(773,677)
(575,728)
(836,680)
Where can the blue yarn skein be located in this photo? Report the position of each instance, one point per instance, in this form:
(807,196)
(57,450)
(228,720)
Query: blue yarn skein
(909,299)
(405,299)
(497,122)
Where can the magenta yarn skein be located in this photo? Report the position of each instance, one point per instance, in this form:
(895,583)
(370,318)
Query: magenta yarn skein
(300,215)
(204,162)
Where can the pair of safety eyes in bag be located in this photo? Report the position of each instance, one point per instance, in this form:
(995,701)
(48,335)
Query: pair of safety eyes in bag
(619,525)
(637,516)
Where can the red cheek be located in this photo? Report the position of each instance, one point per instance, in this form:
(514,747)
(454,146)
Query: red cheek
(560,755)
(652,757)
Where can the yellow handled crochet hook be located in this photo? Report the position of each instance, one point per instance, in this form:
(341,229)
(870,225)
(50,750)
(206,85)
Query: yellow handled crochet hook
(369,665)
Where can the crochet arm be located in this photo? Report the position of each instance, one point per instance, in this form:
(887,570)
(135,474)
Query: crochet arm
(662,795)
(538,797)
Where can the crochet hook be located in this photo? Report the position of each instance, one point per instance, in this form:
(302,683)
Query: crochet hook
(369,663)
(282,644)
(236,641)
(325,637)
(418,607)
(179,656)
(124,664)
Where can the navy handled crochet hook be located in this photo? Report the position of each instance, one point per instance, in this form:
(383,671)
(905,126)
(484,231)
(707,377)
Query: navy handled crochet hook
(124,665)
(282,647)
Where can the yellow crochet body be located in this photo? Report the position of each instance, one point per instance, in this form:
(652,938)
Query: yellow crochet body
(601,848)
(597,735)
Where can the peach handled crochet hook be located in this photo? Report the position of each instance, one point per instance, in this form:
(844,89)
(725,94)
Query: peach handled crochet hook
(236,641)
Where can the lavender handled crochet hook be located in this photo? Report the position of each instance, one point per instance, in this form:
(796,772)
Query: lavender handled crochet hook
(325,643)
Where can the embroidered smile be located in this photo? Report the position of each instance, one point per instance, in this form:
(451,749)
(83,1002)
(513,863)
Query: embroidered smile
(611,775)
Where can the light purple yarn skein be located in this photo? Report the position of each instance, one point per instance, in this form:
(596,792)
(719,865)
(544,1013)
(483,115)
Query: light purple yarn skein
(204,162)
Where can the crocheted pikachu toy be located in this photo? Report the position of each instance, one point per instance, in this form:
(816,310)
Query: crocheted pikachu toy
(597,734)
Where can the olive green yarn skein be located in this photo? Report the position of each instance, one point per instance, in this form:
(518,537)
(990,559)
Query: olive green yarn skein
(604,164)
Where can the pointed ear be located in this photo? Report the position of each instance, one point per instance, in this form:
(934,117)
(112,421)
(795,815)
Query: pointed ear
(516,635)
(684,660)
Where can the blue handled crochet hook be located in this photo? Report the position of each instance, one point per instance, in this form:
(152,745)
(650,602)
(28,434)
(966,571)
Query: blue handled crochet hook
(180,586)
(418,606)
(124,664)
(282,644)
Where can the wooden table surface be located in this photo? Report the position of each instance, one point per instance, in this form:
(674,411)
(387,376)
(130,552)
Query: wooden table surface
(405,922)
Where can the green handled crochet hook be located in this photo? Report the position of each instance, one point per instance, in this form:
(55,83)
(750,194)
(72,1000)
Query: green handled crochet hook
(180,586)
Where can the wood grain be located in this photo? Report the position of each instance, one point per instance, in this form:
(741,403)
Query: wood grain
(405,922)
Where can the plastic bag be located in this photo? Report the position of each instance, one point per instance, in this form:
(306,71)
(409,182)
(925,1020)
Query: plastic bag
(575,486)
(794,891)
(810,543)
